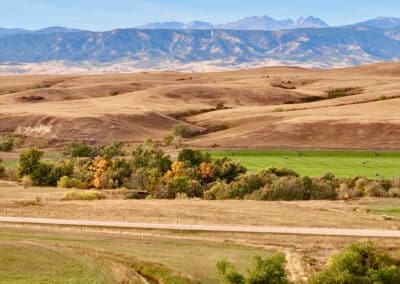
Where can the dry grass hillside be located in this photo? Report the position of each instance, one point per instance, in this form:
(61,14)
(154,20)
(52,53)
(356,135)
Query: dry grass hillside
(276,107)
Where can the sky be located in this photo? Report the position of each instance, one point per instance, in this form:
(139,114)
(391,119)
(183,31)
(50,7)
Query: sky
(100,15)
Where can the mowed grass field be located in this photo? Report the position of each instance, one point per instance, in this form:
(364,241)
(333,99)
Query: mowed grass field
(317,163)
(28,262)
(27,249)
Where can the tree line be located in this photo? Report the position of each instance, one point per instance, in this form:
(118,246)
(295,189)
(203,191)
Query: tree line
(193,174)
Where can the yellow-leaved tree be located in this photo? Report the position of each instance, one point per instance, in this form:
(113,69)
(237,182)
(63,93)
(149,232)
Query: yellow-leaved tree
(99,168)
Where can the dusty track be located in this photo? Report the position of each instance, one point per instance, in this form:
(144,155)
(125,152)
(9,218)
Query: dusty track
(209,228)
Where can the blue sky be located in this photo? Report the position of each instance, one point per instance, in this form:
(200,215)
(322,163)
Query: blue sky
(109,14)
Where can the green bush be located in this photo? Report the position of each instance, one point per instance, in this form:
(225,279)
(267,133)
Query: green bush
(147,179)
(185,131)
(264,271)
(375,189)
(226,169)
(82,172)
(238,189)
(30,165)
(150,157)
(65,168)
(324,190)
(228,274)
(7,143)
(193,158)
(291,187)
(286,188)
(2,168)
(183,184)
(362,262)
(218,191)
(119,171)
(29,161)
(83,195)
(113,150)
(81,149)
(42,174)
(67,182)
(169,140)
(245,185)
(270,270)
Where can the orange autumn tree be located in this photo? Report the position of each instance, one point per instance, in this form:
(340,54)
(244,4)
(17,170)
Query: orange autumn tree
(206,171)
(99,168)
(177,168)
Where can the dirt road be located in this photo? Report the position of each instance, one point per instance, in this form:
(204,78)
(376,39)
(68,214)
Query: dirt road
(208,228)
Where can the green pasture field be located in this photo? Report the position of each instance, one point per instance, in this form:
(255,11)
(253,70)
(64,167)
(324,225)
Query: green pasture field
(317,163)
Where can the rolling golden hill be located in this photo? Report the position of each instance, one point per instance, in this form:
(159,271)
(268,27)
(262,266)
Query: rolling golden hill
(273,107)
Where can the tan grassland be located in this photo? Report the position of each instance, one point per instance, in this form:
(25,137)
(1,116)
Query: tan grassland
(133,107)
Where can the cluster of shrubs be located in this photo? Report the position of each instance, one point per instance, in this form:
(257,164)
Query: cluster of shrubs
(8,142)
(192,174)
(361,262)
(268,270)
(33,171)
(83,150)
(284,184)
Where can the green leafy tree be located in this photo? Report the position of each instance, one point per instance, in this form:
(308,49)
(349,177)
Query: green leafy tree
(264,271)
(226,169)
(268,271)
(148,156)
(119,171)
(81,149)
(362,262)
(113,150)
(65,168)
(286,188)
(169,140)
(183,184)
(193,158)
(2,168)
(29,162)
(7,143)
(41,173)
(228,273)
(181,130)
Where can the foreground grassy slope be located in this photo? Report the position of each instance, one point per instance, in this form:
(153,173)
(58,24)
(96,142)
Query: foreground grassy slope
(24,262)
(194,258)
(317,163)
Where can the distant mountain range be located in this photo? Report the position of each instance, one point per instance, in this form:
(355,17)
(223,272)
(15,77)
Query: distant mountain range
(49,30)
(382,23)
(257,40)
(264,23)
